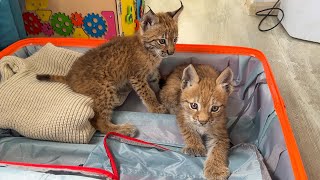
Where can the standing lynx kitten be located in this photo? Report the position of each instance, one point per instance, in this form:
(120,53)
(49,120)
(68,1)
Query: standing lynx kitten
(108,73)
(198,96)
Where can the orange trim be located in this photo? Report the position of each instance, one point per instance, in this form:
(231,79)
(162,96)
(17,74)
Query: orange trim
(279,105)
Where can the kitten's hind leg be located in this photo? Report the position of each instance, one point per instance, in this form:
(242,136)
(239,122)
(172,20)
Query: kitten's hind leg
(103,107)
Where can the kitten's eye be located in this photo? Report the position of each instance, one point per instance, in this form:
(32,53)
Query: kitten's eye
(215,108)
(193,105)
(162,41)
(175,40)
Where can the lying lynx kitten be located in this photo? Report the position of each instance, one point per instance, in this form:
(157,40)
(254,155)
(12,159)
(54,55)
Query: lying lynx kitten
(198,96)
(108,73)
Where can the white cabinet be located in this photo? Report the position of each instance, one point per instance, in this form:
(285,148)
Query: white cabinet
(302,19)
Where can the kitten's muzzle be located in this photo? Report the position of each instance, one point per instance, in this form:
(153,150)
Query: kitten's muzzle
(170,52)
(202,118)
(203,122)
(164,54)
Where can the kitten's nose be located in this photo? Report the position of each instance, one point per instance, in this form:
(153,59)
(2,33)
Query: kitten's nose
(203,118)
(203,122)
(170,52)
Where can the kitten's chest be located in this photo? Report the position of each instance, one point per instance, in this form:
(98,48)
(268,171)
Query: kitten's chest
(152,61)
(201,130)
(207,137)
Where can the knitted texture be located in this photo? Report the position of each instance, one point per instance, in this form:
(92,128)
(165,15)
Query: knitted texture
(43,110)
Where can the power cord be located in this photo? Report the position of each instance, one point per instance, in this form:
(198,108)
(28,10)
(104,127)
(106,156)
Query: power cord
(259,13)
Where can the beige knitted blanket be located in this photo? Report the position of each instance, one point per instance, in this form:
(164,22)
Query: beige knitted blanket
(43,110)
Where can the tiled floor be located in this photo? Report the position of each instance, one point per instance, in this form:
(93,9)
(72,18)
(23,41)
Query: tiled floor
(295,63)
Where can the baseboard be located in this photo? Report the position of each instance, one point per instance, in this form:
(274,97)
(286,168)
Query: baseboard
(253,7)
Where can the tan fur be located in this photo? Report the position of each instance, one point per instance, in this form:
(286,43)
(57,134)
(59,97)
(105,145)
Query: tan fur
(203,85)
(108,73)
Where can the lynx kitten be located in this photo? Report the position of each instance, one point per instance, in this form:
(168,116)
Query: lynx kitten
(198,96)
(108,73)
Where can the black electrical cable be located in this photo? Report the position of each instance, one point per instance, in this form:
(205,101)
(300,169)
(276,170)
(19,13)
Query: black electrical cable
(259,13)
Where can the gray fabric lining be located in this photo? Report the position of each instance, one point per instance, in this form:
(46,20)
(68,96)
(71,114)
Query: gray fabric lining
(134,162)
(21,149)
(274,157)
(264,171)
(246,105)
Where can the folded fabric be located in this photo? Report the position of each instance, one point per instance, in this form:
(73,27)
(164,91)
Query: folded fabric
(43,110)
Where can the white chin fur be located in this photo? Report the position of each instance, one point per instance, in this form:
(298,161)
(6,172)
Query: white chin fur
(163,55)
(159,53)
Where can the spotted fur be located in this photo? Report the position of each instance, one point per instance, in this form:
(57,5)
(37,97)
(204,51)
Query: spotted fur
(198,96)
(108,73)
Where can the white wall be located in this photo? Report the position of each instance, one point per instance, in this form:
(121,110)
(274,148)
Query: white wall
(264,0)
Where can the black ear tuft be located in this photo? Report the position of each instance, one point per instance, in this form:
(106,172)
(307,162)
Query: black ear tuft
(151,10)
(175,14)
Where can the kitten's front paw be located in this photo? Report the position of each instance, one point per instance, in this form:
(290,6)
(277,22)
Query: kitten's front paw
(195,150)
(212,171)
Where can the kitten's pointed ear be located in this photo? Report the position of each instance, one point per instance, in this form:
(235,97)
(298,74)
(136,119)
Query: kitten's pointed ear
(148,19)
(175,14)
(189,77)
(225,80)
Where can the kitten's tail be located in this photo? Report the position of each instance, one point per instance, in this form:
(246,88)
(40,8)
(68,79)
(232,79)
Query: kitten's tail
(51,78)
